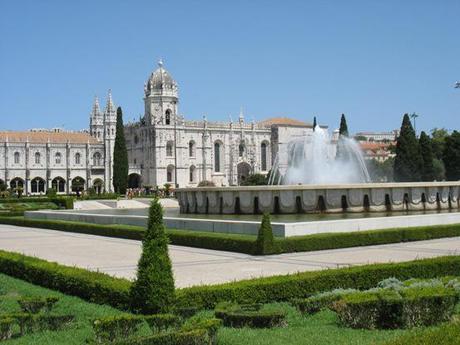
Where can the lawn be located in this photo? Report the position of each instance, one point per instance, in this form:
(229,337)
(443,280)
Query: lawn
(76,334)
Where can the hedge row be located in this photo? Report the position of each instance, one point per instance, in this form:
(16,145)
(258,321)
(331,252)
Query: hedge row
(226,242)
(62,201)
(103,289)
(247,244)
(94,287)
(305,284)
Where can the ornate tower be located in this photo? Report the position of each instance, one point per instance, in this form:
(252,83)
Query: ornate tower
(109,130)
(96,121)
(161,97)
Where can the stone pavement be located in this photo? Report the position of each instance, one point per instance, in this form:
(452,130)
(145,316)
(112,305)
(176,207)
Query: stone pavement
(193,266)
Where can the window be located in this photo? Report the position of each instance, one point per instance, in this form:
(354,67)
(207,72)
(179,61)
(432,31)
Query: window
(97,159)
(217,157)
(191,148)
(37,185)
(77,158)
(136,139)
(241,149)
(113,131)
(57,157)
(16,158)
(192,174)
(37,157)
(168,117)
(170,173)
(169,148)
(58,184)
(263,158)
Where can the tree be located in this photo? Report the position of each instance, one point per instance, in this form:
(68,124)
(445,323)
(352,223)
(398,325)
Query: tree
(408,161)
(438,141)
(153,290)
(439,170)
(343,133)
(255,180)
(343,130)
(451,156)
(120,157)
(428,173)
(265,243)
(381,171)
(314,123)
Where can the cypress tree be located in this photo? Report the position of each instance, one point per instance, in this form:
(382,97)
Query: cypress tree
(314,123)
(265,243)
(343,133)
(153,290)
(426,150)
(451,156)
(408,161)
(343,130)
(120,157)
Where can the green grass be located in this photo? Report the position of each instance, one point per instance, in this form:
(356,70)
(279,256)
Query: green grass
(76,334)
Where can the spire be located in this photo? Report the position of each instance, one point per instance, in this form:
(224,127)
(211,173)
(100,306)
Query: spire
(241,117)
(110,108)
(96,109)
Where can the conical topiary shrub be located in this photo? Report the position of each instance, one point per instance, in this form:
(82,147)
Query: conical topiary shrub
(153,290)
(265,243)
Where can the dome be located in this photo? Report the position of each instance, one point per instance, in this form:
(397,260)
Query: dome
(160,80)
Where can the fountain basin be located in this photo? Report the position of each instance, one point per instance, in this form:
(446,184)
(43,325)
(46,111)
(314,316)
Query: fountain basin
(311,198)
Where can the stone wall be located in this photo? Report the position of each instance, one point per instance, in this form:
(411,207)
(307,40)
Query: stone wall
(320,198)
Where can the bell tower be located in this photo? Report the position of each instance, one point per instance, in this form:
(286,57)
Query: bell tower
(161,97)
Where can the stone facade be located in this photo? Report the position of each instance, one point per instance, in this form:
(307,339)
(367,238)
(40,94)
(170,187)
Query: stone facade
(37,160)
(164,147)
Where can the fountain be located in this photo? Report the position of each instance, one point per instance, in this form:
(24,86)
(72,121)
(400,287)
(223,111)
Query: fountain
(312,160)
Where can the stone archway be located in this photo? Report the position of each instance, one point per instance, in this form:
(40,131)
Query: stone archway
(244,170)
(134,180)
(98,186)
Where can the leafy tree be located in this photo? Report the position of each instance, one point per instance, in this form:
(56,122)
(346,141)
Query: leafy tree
(381,171)
(255,180)
(438,141)
(426,150)
(408,160)
(451,156)
(120,157)
(360,138)
(2,186)
(265,243)
(343,130)
(439,170)
(153,290)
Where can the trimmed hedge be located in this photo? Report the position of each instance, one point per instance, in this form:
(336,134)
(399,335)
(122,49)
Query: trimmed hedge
(94,287)
(305,284)
(101,288)
(250,315)
(247,243)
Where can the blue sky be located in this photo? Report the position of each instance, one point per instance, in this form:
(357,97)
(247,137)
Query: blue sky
(372,60)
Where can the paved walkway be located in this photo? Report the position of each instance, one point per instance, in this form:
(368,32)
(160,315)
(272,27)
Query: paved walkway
(193,266)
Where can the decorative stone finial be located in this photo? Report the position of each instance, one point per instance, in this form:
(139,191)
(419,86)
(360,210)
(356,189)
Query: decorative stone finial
(160,62)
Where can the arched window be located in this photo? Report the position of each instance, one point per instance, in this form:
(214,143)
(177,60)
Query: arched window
(77,158)
(192,176)
(217,154)
(263,156)
(37,157)
(191,148)
(58,184)
(16,183)
(37,185)
(241,149)
(113,131)
(169,148)
(97,158)
(16,157)
(168,117)
(58,157)
(170,173)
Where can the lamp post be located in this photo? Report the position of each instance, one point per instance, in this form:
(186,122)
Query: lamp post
(413,117)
